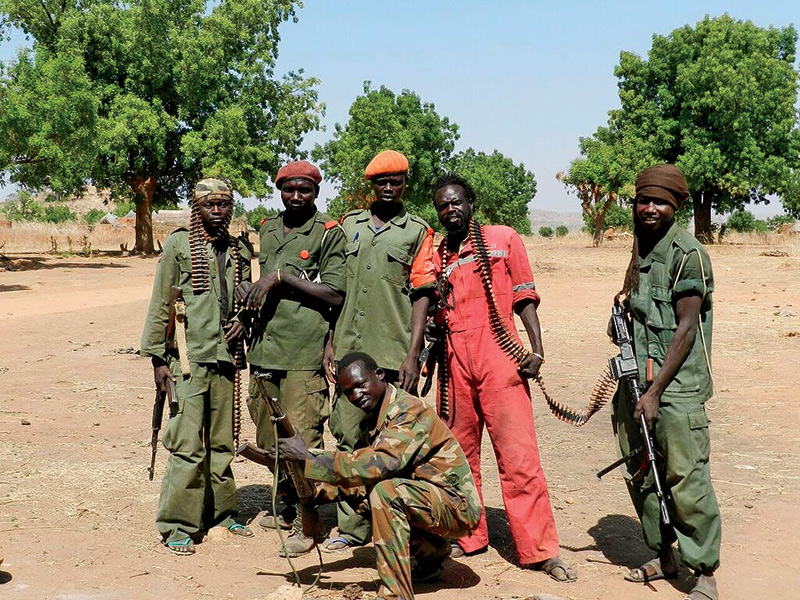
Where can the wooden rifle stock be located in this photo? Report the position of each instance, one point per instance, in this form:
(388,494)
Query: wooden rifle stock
(303,487)
(170,396)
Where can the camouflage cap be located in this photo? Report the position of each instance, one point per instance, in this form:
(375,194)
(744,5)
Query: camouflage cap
(211,188)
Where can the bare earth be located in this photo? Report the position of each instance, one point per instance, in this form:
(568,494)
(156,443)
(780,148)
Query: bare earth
(77,511)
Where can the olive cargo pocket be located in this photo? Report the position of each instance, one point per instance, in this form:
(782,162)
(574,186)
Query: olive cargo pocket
(698,426)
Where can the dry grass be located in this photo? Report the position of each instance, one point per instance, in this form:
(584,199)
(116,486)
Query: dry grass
(74,238)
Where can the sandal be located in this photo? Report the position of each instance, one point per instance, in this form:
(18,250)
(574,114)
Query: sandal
(184,547)
(557,569)
(239,529)
(337,544)
(649,571)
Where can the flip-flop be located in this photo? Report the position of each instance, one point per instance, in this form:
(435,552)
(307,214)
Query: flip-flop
(337,544)
(558,570)
(649,571)
(239,529)
(184,547)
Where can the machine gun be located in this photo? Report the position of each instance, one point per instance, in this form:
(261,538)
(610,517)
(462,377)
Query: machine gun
(623,366)
(171,397)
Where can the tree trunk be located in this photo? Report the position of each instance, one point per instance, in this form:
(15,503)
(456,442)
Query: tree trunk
(599,228)
(145,191)
(701,202)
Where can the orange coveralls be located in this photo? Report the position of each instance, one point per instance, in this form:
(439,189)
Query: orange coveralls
(485,388)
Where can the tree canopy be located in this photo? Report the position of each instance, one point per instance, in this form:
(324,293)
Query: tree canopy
(502,188)
(382,120)
(147,97)
(718,100)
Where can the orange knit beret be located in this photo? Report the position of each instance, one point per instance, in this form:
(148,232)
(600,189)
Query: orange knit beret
(299,169)
(387,161)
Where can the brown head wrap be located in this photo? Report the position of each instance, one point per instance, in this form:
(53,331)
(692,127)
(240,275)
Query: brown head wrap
(206,189)
(665,182)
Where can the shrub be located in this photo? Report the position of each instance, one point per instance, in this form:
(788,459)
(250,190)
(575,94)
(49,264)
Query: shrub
(93,216)
(123,207)
(562,230)
(260,212)
(618,217)
(546,231)
(774,223)
(742,221)
(23,207)
(58,213)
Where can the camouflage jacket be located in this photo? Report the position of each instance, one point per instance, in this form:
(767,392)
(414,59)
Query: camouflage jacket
(409,442)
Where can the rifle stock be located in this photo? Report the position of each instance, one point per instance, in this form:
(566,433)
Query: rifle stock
(624,366)
(303,487)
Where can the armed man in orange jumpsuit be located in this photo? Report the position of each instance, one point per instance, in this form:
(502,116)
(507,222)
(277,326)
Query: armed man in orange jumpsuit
(483,386)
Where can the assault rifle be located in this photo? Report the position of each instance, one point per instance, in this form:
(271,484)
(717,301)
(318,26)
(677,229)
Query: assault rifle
(170,396)
(304,489)
(623,366)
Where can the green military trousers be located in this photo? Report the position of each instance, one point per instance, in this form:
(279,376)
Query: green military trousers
(346,426)
(303,395)
(413,518)
(682,438)
(198,490)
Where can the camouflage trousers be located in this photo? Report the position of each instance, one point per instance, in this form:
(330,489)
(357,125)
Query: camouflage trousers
(413,518)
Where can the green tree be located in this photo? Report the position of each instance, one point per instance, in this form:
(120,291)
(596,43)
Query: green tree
(602,178)
(562,230)
(546,231)
(741,221)
(93,216)
(503,189)
(58,213)
(258,214)
(382,120)
(146,97)
(718,100)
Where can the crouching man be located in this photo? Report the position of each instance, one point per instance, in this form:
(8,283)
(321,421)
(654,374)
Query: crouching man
(413,474)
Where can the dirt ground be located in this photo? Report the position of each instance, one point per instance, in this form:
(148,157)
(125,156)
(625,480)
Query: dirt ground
(77,510)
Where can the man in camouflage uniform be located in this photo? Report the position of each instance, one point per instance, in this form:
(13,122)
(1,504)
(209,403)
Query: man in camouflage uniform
(389,268)
(302,277)
(198,490)
(414,475)
(667,292)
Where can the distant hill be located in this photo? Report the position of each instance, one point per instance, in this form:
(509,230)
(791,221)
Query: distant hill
(551,218)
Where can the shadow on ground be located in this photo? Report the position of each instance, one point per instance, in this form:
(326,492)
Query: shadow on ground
(38,263)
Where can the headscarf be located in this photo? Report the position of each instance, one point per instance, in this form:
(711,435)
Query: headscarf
(207,189)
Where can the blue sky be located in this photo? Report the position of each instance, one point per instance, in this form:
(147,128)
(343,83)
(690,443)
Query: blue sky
(525,78)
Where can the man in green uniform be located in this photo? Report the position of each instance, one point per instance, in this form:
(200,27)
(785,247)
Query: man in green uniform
(302,277)
(668,289)
(390,276)
(198,490)
(414,475)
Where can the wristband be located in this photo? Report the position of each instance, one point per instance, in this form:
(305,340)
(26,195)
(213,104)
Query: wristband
(539,356)
(279,275)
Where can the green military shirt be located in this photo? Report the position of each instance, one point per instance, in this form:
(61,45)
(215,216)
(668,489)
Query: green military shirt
(384,268)
(290,332)
(677,264)
(409,441)
(205,337)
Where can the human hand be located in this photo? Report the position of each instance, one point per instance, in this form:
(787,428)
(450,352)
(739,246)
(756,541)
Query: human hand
(529,367)
(160,374)
(647,405)
(293,448)
(233,331)
(259,290)
(408,377)
(242,290)
(328,363)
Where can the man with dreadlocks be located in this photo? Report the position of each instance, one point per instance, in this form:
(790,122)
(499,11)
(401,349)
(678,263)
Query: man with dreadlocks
(205,262)
(667,294)
(479,383)
(302,277)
